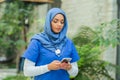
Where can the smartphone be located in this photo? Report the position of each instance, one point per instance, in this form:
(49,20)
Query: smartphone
(66,60)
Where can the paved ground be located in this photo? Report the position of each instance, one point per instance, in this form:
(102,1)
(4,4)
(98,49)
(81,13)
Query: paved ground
(7,72)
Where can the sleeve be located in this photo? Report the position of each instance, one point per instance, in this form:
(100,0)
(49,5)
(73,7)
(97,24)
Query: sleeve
(31,70)
(74,70)
(32,52)
(74,54)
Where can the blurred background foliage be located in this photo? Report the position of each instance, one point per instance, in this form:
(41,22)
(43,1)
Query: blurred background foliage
(12,25)
(91,43)
(17,77)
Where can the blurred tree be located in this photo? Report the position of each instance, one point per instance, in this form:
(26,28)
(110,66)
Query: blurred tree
(12,25)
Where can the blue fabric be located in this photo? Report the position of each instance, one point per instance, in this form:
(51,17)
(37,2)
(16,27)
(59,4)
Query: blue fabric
(42,56)
(49,39)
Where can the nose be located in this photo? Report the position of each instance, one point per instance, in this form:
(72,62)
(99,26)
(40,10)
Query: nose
(59,23)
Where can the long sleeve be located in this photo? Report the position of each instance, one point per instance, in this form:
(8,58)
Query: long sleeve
(74,70)
(31,70)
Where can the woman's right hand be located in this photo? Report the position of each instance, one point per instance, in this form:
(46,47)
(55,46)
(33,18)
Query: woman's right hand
(55,65)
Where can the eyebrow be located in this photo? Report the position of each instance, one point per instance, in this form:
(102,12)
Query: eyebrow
(57,19)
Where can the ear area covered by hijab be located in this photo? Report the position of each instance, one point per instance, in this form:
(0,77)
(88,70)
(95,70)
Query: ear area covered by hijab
(49,39)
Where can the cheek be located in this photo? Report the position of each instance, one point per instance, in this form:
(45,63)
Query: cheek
(62,26)
(53,26)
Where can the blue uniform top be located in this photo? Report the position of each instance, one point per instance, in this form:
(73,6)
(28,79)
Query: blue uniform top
(42,56)
(42,47)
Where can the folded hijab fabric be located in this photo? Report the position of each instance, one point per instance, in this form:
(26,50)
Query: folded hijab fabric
(48,38)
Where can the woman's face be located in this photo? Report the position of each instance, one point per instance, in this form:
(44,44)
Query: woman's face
(57,23)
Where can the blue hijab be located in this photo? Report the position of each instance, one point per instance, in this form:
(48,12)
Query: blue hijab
(48,38)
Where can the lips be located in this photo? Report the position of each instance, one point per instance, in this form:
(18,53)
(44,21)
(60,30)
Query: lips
(58,29)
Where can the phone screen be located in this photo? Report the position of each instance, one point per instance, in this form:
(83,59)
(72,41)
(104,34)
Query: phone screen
(66,60)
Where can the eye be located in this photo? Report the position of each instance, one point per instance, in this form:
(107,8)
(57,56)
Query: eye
(55,20)
(62,22)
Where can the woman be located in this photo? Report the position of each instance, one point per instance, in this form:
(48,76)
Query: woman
(46,50)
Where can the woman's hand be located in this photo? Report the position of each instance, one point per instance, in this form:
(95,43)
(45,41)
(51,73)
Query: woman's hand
(66,66)
(55,65)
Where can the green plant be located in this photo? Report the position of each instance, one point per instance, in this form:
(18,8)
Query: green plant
(17,77)
(91,43)
(91,66)
(12,24)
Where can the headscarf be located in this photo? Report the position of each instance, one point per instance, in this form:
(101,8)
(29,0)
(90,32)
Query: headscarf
(48,38)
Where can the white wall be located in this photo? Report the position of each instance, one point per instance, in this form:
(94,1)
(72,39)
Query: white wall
(88,12)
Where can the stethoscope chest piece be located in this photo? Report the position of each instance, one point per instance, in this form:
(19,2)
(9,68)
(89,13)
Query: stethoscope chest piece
(57,51)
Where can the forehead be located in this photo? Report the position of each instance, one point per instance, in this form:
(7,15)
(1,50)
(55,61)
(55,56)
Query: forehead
(58,16)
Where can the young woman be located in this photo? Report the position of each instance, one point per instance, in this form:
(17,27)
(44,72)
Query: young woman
(43,57)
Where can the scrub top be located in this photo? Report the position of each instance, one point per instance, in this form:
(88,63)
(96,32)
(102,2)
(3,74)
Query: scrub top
(42,56)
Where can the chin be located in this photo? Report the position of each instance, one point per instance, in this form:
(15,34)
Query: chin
(57,32)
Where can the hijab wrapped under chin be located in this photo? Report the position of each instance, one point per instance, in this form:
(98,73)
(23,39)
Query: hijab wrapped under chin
(49,39)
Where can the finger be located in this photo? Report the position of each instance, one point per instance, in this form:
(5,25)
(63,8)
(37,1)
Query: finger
(69,67)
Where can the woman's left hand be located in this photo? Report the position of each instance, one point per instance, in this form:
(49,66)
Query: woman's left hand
(65,66)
